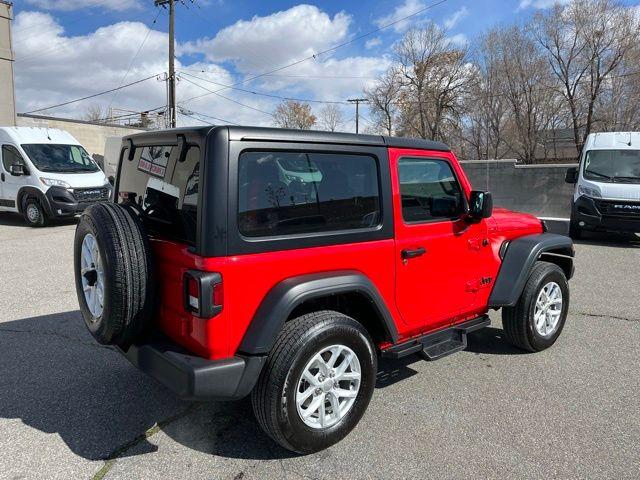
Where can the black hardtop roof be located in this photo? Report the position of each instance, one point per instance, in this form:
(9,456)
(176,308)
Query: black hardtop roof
(265,134)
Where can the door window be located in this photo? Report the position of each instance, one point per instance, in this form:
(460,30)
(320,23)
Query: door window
(429,189)
(10,155)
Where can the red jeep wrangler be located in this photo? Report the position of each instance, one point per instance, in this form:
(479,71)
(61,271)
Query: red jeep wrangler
(283,263)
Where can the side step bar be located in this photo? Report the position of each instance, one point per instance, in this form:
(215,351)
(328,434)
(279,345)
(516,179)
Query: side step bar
(438,344)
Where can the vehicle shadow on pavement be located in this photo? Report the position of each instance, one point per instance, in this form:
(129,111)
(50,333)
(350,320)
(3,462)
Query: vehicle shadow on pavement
(610,239)
(9,219)
(55,378)
(491,341)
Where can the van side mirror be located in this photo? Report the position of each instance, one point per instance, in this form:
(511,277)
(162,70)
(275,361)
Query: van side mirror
(480,205)
(112,180)
(17,169)
(572,175)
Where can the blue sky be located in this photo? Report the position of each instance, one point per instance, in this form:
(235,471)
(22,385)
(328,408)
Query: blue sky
(66,49)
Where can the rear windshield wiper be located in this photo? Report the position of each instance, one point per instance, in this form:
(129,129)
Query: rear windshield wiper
(601,175)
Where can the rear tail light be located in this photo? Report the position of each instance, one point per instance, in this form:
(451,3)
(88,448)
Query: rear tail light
(203,293)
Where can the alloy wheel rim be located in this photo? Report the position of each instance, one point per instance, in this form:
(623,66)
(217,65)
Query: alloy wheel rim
(328,386)
(32,213)
(548,309)
(91,270)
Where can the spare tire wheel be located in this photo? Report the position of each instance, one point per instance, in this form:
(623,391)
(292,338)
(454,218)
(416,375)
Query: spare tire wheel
(113,270)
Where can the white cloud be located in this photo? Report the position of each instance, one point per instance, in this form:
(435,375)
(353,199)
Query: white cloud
(540,4)
(459,39)
(53,67)
(118,5)
(453,20)
(374,42)
(405,9)
(274,40)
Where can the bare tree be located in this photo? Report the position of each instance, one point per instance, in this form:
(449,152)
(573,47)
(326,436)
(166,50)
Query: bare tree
(330,117)
(383,100)
(434,75)
(586,42)
(293,114)
(94,113)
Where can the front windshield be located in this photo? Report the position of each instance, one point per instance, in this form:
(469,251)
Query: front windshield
(617,166)
(49,157)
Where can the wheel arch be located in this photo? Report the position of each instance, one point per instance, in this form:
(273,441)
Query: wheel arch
(298,295)
(32,192)
(520,257)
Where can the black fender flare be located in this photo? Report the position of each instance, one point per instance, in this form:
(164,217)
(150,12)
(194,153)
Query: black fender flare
(28,191)
(280,301)
(519,258)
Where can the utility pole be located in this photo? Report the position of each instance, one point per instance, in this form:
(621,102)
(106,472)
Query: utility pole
(357,102)
(172,72)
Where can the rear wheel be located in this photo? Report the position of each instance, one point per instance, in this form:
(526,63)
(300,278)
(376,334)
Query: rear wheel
(33,213)
(537,320)
(113,270)
(317,383)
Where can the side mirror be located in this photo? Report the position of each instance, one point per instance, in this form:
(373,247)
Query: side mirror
(572,175)
(480,205)
(17,169)
(444,207)
(112,180)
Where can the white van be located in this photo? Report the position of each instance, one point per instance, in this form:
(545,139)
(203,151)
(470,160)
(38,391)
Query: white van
(46,173)
(607,194)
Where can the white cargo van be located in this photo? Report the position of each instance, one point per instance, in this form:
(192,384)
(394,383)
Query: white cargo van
(607,194)
(46,173)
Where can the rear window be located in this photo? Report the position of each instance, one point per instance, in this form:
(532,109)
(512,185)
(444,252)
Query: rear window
(284,193)
(163,189)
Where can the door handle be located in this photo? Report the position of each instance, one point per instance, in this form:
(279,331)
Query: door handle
(413,253)
(2,176)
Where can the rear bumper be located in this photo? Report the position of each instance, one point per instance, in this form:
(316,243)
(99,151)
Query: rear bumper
(62,203)
(586,211)
(195,378)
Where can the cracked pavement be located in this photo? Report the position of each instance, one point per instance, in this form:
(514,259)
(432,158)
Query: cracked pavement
(70,408)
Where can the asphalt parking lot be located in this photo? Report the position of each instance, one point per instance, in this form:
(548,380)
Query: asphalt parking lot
(70,408)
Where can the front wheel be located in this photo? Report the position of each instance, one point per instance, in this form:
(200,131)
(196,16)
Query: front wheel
(34,214)
(537,320)
(317,383)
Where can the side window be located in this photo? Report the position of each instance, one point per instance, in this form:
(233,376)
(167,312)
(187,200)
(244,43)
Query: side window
(10,155)
(284,193)
(429,190)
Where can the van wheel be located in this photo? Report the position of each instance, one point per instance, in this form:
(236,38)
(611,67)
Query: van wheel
(113,271)
(317,382)
(34,213)
(537,320)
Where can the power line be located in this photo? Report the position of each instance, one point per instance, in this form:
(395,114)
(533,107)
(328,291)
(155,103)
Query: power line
(328,50)
(94,95)
(270,95)
(227,98)
(183,112)
(150,28)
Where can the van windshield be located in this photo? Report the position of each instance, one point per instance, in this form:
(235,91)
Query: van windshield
(48,157)
(612,166)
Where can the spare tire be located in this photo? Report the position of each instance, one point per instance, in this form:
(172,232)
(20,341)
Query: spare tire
(113,269)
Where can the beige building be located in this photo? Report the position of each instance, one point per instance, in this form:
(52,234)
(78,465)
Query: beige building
(7,91)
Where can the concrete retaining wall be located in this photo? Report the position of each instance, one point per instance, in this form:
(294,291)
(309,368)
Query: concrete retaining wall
(537,189)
